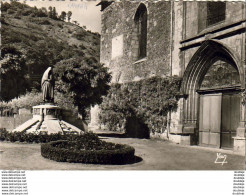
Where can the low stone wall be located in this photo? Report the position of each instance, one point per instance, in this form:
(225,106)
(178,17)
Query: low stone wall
(12,122)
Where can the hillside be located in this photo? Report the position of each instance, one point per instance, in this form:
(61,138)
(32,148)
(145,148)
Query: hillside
(44,41)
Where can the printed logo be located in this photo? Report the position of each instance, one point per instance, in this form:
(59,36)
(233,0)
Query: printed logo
(221,159)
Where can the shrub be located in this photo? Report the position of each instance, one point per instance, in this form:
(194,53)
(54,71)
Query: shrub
(74,151)
(43,137)
(3,134)
(41,13)
(2,20)
(86,148)
(35,98)
(148,101)
(28,137)
(27,12)
(82,47)
(26,101)
(5,6)
(60,25)
(18,14)
(80,35)
(10,11)
(45,22)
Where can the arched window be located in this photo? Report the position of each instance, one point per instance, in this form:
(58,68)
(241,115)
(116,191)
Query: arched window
(141,31)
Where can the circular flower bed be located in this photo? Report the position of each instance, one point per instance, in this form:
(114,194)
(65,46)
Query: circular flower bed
(84,148)
(93,151)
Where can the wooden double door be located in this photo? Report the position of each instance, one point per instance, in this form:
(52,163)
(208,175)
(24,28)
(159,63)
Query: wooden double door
(218,119)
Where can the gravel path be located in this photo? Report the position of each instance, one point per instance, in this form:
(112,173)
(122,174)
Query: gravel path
(155,155)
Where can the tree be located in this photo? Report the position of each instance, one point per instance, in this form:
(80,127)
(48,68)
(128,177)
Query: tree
(63,16)
(54,13)
(85,81)
(13,73)
(69,14)
(5,6)
(50,14)
(75,22)
(44,10)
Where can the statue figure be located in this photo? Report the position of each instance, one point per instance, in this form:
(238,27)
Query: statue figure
(47,85)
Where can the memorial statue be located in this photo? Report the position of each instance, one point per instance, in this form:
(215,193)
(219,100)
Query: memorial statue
(47,85)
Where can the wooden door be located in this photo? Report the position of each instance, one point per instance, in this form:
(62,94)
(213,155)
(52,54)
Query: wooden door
(210,120)
(230,119)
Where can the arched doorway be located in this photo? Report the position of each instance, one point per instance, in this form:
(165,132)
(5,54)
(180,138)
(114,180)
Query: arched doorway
(219,105)
(212,86)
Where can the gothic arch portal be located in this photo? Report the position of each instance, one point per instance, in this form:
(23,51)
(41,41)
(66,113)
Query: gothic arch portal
(201,61)
(208,53)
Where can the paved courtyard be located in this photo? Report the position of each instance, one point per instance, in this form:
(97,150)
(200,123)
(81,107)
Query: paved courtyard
(153,155)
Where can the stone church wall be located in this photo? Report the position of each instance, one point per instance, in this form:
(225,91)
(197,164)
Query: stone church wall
(175,31)
(118,32)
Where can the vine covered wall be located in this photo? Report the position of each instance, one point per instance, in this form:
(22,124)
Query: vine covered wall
(148,100)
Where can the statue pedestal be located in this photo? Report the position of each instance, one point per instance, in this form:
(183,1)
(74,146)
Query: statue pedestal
(46,111)
(46,118)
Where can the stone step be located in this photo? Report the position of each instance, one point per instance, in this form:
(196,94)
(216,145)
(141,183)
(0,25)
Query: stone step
(32,128)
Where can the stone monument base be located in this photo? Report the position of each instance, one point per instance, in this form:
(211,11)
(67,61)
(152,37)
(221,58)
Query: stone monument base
(46,118)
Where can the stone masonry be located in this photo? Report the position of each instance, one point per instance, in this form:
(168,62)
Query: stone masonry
(178,36)
(118,23)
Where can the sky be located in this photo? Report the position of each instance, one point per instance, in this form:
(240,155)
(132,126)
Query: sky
(86,13)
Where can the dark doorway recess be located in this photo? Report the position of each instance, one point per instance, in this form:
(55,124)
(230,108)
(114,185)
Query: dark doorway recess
(136,128)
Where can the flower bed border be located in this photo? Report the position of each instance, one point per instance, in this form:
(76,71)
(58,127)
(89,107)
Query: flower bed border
(123,155)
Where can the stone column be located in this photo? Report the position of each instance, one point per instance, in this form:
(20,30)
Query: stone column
(177,119)
(239,140)
(182,131)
